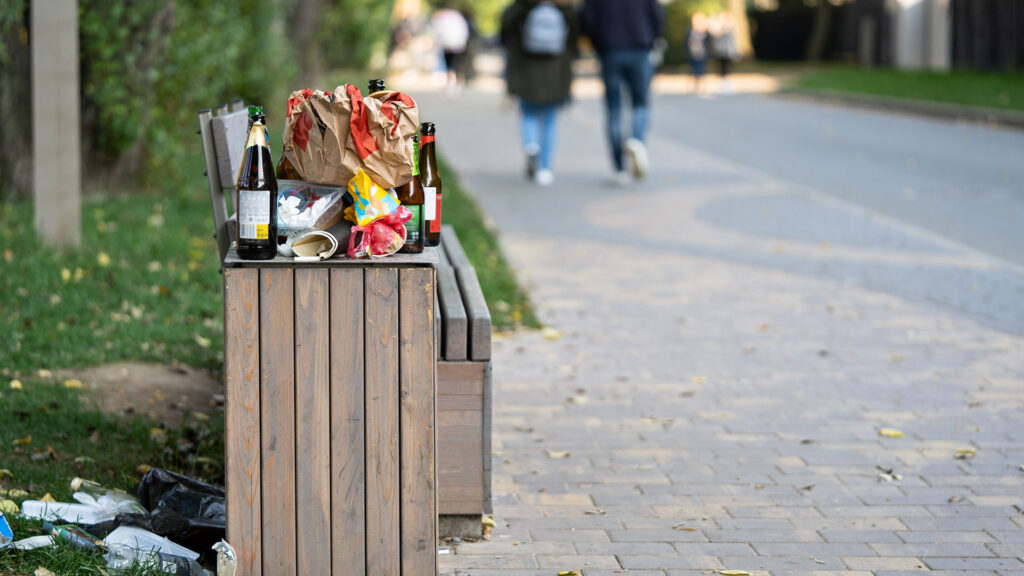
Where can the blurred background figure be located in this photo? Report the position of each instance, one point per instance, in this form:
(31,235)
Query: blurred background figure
(724,48)
(623,33)
(541,37)
(697,48)
(452,31)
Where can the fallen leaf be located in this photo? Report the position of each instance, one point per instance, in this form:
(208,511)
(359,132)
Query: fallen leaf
(807,488)
(569,573)
(699,379)
(158,435)
(764,327)
(733,572)
(143,469)
(72,383)
(43,572)
(955,499)
(47,498)
(488,521)
(16,385)
(965,453)
(65,275)
(576,399)
(23,441)
(202,342)
(103,259)
(84,460)
(16,493)
(551,333)
(44,373)
(5,472)
(595,512)
(557,454)
(8,256)
(890,433)
(683,527)
(9,507)
(201,416)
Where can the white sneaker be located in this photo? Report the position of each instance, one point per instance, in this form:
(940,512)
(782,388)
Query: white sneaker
(544,177)
(638,162)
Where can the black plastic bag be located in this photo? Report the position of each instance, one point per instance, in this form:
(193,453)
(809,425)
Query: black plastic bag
(188,511)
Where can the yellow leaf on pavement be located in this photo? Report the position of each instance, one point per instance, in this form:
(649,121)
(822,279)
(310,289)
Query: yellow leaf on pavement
(890,433)
(488,521)
(965,453)
(557,454)
(733,572)
(569,573)
(551,333)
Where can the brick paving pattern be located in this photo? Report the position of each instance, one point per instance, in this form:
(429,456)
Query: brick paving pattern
(729,348)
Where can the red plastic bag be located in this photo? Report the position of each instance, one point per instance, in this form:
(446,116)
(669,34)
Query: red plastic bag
(381,237)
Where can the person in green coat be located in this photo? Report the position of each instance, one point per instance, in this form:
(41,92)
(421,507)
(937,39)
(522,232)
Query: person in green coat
(540,37)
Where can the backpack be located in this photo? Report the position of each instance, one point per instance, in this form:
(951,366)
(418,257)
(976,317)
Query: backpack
(544,30)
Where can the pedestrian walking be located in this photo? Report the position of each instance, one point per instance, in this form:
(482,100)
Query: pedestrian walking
(540,36)
(697,48)
(724,48)
(453,34)
(623,33)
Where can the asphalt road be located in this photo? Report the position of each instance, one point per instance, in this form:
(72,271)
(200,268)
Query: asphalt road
(962,181)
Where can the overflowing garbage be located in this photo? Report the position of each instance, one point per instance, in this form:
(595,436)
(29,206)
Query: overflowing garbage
(162,527)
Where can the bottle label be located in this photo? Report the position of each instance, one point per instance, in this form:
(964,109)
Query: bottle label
(254,214)
(414,227)
(426,140)
(429,203)
(435,224)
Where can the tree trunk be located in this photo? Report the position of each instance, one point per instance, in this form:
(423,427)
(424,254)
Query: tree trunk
(302,31)
(738,8)
(15,107)
(819,31)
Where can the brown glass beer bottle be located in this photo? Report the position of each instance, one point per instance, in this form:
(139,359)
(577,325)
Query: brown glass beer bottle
(411,196)
(256,194)
(431,180)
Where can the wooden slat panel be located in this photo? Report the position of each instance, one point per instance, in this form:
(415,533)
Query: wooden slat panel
(242,418)
(383,545)
(452,312)
(220,211)
(277,400)
(487,447)
(416,357)
(348,443)
(229,139)
(460,378)
(312,417)
(477,312)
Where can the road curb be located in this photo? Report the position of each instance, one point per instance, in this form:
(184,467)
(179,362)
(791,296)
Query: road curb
(988,116)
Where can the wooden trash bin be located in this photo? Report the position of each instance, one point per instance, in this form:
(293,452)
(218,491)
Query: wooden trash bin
(330,372)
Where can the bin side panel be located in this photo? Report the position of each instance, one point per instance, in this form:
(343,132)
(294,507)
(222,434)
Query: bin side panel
(312,420)
(418,472)
(382,498)
(277,398)
(348,442)
(242,419)
(460,466)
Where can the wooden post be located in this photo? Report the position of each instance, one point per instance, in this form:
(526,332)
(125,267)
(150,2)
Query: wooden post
(56,130)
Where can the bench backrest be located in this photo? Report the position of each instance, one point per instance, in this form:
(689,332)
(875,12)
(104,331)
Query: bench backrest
(223,134)
(466,326)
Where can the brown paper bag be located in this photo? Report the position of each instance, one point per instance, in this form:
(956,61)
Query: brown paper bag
(329,136)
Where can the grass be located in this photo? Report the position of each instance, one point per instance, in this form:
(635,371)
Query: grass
(976,89)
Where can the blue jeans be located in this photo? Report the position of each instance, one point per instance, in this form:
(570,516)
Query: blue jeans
(539,130)
(629,69)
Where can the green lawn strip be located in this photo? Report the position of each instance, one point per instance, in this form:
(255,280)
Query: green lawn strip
(974,89)
(52,433)
(508,302)
(143,286)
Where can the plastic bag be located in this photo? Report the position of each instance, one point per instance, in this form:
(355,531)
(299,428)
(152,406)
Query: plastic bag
(381,237)
(371,202)
(186,510)
(329,136)
(128,546)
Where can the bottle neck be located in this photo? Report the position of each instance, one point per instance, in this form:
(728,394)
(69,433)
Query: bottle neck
(257,135)
(415,158)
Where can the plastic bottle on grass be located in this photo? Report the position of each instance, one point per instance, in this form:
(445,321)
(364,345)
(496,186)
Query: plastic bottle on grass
(111,502)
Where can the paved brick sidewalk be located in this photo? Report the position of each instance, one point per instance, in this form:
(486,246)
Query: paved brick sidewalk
(732,346)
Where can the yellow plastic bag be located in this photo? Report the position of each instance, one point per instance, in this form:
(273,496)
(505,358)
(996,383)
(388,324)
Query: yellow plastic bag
(371,202)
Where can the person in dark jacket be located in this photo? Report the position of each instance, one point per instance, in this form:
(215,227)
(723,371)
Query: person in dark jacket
(623,33)
(542,82)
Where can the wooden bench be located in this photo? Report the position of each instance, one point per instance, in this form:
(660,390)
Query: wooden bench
(462,329)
